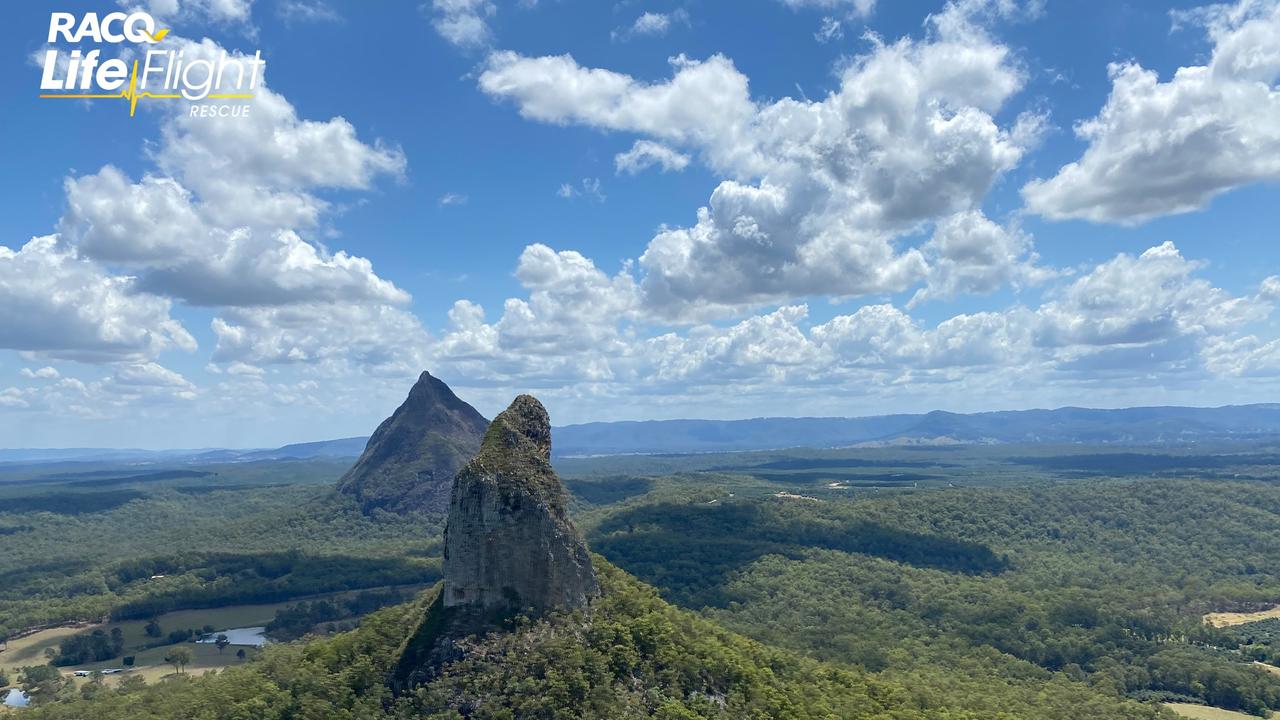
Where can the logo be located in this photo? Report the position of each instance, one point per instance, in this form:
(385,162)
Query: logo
(161,74)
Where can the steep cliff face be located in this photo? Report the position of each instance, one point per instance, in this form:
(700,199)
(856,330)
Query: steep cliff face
(509,544)
(411,459)
(510,547)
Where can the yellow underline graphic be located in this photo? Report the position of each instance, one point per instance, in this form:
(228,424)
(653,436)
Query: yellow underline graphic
(133,96)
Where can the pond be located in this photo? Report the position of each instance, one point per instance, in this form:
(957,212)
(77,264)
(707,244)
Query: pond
(252,636)
(14,698)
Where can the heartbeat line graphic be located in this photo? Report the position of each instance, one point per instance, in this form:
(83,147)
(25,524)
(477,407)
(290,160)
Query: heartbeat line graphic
(133,95)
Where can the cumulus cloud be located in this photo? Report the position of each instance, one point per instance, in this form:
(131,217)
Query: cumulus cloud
(182,249)
(464,23)
(1130,319)
(57,304)
(652,24)
(44,373)
(1138,300)
(223,221)
(1160,148)
(229,217)
(337,338)
(645,154)
(816,193)
(970,254)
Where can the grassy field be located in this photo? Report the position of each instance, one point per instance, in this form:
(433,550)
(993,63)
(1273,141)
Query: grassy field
(1227,619)
(29,650)
(1204,712)
(150,663)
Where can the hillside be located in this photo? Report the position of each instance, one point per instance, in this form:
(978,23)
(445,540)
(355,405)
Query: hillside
(632,656)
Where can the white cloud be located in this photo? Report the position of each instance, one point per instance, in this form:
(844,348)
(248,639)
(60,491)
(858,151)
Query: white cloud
(183,249)
(44,373)
(970,254)
(228,217)
(150,375)
(645,154)
(816,193)
(452,198)
(1139,300)
(335,337)
(588,188)
(1160,148)
(652,24)
(854,8)
(222,11)
(296,11)
(1127,320)
(57,304)
(830,30)
(464,23)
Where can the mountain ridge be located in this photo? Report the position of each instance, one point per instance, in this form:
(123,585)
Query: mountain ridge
(700,435)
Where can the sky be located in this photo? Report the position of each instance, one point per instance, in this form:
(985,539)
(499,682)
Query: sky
(641,210)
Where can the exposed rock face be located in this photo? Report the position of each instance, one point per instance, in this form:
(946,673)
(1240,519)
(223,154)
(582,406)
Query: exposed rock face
(509,544)
(411,459)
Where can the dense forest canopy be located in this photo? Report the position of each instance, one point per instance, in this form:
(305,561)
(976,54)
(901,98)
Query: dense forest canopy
(1030,581)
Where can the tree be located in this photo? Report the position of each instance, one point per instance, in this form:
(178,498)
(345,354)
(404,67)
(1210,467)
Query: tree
(93,687)
(4,679)
(153,628)
(129,660)
(179,658)
(42,683)
(222,642)
(131,683)
(241,654)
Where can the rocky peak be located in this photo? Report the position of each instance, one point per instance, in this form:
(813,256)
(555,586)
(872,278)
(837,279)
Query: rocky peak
(509,543)
(411,459)
(509,546)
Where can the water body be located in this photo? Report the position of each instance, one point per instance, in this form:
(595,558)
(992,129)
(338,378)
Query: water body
(15,698)
(251,636)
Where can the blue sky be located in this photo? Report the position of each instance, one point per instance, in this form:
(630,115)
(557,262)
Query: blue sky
(981,204)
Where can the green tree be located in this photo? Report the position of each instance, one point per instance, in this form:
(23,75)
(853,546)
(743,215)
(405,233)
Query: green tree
(131,683)
(42,683)
(240,654)
(153,628)
(179,658)
(222,642)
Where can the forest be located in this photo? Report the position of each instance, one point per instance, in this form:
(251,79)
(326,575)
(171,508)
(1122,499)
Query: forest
(1011,583)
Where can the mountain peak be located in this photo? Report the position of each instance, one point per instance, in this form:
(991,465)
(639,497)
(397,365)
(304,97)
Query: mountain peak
(410,460)
(509,546)
(509,543)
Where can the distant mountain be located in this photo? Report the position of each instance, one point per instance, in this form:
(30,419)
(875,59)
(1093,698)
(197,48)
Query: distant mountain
(344,447)
(324,449)
(412,457)
(1143,425)
(40,456)
(1132,426)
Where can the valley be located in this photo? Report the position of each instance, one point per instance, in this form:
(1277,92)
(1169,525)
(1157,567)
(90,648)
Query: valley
(1011,571)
